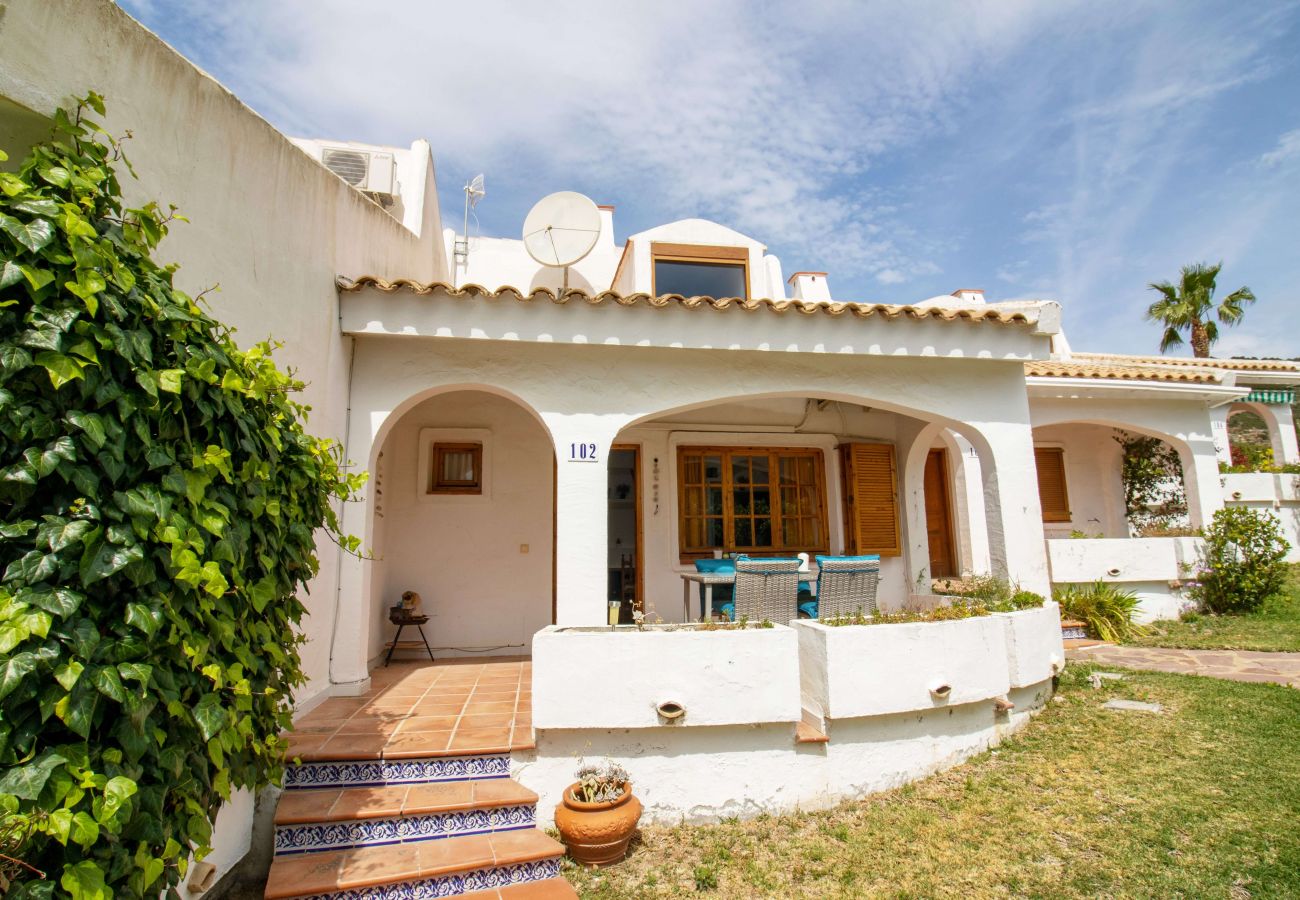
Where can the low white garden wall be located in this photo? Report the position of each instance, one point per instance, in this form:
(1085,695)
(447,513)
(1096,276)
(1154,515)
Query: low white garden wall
(595,693)
(618,677)
(1150,567)
(1277,494)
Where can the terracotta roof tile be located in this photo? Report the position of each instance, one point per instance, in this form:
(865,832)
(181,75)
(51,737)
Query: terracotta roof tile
(859,310)
(1049,368)
(1236,365)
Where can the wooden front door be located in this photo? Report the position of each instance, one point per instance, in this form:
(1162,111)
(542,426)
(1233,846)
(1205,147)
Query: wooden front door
(938,515)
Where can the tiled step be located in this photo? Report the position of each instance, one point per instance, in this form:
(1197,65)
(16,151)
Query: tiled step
(443,868)
(377,772)
(314,821)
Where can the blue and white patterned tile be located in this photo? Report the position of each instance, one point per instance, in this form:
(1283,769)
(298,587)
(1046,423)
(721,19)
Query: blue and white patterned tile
(309,837)
(396,771)
(452,885)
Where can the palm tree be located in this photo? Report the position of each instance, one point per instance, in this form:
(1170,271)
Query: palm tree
(1190,307)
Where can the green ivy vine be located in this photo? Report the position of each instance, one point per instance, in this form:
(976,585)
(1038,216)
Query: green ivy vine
(160,502)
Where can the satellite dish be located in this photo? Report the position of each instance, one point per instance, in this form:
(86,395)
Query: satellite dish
(561,229)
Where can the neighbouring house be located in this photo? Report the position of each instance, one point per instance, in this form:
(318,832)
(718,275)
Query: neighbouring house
(552,447)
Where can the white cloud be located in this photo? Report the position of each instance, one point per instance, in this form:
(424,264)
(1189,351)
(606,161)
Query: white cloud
(1287,149)
(890,276)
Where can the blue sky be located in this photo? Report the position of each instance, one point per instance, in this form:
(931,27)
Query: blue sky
(1062,150)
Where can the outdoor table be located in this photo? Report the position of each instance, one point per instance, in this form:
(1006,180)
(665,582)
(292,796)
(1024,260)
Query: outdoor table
(709,579)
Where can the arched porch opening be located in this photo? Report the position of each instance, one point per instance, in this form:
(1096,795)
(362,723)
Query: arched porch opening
(461,512)
(1089,491)
(770,453)
(1261,435)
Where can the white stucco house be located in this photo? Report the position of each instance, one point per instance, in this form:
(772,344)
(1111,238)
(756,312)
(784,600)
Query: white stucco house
(542,441)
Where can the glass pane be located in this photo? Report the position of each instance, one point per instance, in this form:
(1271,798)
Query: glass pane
(763,532)
(786,466)
(691,470)
(457,465)
(790,533)
(808,501)
(713,533)
(700,279)
(740,470)
(760,469)
(694,501)
(807,469)
(713,468)
(694,532)
(762,502)
(744,533)
(713,501)
(740,502)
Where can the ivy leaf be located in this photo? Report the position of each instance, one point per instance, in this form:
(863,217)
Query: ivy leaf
(84,830)
(25,781)
(37,278)
(33,567)
(12,530)
(59,533)
(169,380)
(13,357)
(135,672)
(10,274)
(85,881)
(262,592)
(47,208)
(76,710)
(143,617)
(209,715)
(60,601)
(13,670)
(102,559)
(109,684)
(61,369)
(68,673)
(33,235)
(118,790)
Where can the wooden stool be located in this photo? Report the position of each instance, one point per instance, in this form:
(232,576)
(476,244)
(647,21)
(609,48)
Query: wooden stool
(401,619)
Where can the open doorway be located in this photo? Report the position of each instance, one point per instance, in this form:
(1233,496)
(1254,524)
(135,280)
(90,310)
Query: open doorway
(624,532)
(938,515)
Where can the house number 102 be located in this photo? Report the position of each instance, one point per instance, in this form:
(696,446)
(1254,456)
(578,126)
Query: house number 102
(582,453)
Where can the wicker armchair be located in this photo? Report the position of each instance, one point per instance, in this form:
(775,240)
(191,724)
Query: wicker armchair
(766,589)
(847,585)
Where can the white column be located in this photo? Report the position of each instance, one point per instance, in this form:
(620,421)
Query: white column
(1219,430)
(1015,517)
(1285,450)
(581,515)
(973,496)
(1201,480)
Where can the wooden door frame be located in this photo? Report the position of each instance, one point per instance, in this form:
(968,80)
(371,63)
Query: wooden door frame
(945,478)
(637,491)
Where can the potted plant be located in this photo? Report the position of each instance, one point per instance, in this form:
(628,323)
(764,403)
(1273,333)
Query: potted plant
(597,814)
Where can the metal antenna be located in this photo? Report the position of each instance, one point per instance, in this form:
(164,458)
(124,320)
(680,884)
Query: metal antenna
(474,192)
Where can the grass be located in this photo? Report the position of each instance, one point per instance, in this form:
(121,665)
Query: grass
(1199,802)
(1275,626)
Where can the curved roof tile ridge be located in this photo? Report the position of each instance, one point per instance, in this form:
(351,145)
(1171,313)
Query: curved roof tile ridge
(1055,368)
(1244,365)
(835,309)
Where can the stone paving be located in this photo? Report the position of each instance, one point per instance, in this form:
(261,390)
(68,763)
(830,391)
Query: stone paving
(1235,665)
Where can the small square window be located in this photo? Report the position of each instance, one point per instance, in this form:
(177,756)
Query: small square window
(456,469)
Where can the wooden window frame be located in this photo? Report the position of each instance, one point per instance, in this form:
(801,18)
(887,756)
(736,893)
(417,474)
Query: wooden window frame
(699,253)
(1054,516)
(774,454)
(440,449)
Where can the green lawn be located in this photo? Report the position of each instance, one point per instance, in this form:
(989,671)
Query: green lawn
(1202,801)
(1276,626)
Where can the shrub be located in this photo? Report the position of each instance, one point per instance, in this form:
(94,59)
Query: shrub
(158,507)
(993,593)
(1152,474)
(1241,561)
(1106,609)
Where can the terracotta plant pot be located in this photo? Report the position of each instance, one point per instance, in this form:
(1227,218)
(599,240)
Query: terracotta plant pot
(597,833)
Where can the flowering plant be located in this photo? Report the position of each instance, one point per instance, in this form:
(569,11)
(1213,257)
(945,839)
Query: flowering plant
(600,782)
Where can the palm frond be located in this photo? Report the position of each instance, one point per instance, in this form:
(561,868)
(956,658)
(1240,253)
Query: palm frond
(1233,306)
(1171,338)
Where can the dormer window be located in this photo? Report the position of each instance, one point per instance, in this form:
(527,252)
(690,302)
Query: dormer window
(695,270)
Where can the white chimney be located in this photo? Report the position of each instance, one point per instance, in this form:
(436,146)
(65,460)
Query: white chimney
(969,296)
(606,225)
(810,286)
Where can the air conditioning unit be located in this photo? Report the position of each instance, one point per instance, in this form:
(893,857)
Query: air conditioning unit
(371,171)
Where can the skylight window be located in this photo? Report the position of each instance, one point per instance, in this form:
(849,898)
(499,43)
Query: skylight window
(698,271)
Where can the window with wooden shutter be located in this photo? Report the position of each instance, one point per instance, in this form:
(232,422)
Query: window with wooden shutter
(870,499)
(1050,462)
(759,500)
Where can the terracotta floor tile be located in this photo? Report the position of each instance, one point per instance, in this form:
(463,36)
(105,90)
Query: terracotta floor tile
(486,720)
(297,807)
(489,894)
(501,792)
(337,708)
(416,745)
(447,795)
(523,846)
(352,746)
(547,889)
(370,803)
(387,727)
(478,707)
(454,854)
(493,692)
(366,866)
(329,727)
(428,723)
(439,708)
(310,873)
(304,745)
